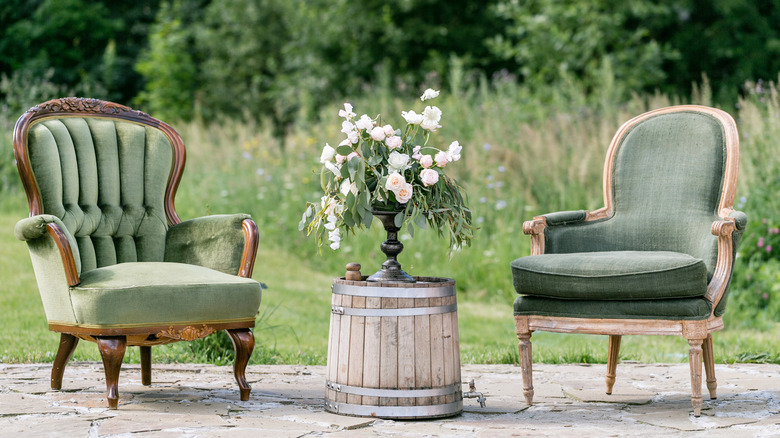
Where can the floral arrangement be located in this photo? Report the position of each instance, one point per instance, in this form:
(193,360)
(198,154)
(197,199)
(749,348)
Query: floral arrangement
(380,168)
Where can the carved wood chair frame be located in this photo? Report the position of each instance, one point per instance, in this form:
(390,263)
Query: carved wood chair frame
(698,333)
(112,342)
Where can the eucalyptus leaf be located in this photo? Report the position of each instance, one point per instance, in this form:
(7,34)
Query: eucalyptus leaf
(344,150)
(399,219)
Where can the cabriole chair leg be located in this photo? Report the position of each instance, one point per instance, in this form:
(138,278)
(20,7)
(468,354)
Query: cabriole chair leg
(112,350)
(68,345)
(244,344)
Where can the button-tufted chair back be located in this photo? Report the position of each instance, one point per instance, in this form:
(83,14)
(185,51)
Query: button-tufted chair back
(110,181)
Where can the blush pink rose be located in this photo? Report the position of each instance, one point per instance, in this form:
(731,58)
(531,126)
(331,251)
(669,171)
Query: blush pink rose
(429,177)
(404,194)
(426,161)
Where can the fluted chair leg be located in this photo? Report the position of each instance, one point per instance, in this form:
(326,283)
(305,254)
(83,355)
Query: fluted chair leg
(68,345)
(244,344)
(112,350)
(695,357)
(612,360)
(146,365)
(709,367)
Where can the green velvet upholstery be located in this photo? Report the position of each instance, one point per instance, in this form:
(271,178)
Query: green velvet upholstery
(159,294)
(690,309)
(667,182)
(611,275)
(106,181)
(103,182)
(214,241)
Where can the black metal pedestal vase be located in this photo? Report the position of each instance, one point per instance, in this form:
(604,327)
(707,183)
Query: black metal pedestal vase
(391,270)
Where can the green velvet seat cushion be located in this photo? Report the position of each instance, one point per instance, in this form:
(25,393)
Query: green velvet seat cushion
(611,275)
(669,309)
(160,294)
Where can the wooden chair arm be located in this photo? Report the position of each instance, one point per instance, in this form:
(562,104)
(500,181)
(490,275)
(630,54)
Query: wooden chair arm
(250,248)
(725,263)
(66,252)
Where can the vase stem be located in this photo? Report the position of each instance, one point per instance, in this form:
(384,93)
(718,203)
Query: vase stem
(391,269)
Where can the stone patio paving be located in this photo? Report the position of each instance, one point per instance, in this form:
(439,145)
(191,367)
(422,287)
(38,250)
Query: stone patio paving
(192,400)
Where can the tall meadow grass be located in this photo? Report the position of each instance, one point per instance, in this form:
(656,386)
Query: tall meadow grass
(521,158)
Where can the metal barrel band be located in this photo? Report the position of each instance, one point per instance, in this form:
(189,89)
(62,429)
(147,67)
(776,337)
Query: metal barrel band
(431,411)
(394,292)
(405,393)
(409,311)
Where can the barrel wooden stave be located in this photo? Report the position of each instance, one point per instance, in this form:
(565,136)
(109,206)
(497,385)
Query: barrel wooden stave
(404,354)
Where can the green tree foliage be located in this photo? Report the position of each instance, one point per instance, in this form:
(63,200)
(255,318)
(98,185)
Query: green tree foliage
(553,41)
(731,41)
(89,45)
(168,65)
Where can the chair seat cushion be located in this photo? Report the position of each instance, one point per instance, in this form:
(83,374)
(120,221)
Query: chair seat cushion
(159,294)
(691,309)
(613,275)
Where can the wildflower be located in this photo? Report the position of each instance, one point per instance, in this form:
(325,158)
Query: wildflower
(327,153)
(347,112)
(431,117)
(769,248)
(453,152)
(412,117)
(760,242)
(500,205)
(416,153)
(365,123)
(429,94)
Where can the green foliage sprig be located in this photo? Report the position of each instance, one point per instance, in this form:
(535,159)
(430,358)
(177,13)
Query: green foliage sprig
(380,168)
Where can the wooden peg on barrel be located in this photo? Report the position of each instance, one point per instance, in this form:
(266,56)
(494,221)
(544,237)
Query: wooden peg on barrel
(353,272)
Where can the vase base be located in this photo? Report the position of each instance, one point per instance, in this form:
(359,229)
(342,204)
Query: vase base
(391,276)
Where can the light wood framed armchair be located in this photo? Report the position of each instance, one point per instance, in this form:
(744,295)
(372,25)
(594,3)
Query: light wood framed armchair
(656,259)
(114,263)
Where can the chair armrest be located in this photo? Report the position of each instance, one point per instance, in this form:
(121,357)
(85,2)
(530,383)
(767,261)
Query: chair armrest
(728,232)
(42,226)
(535,228)
(740,219)
(226,243)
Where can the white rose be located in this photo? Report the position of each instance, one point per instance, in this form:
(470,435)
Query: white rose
(412,117)
(340,158)
(378,134)
(352,155)
(394,182)
(441,159)
(388,130)
(453,153)
(426,161)
(365,123)
(431,117)
(429,177)
(404,194)
(393,142)
(429,94)
(398,162)
(327,153)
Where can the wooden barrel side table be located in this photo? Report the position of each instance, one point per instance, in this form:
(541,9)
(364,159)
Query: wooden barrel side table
(393,350)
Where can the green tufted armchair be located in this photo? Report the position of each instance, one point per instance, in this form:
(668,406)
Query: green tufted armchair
(656,259)
(114,263)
